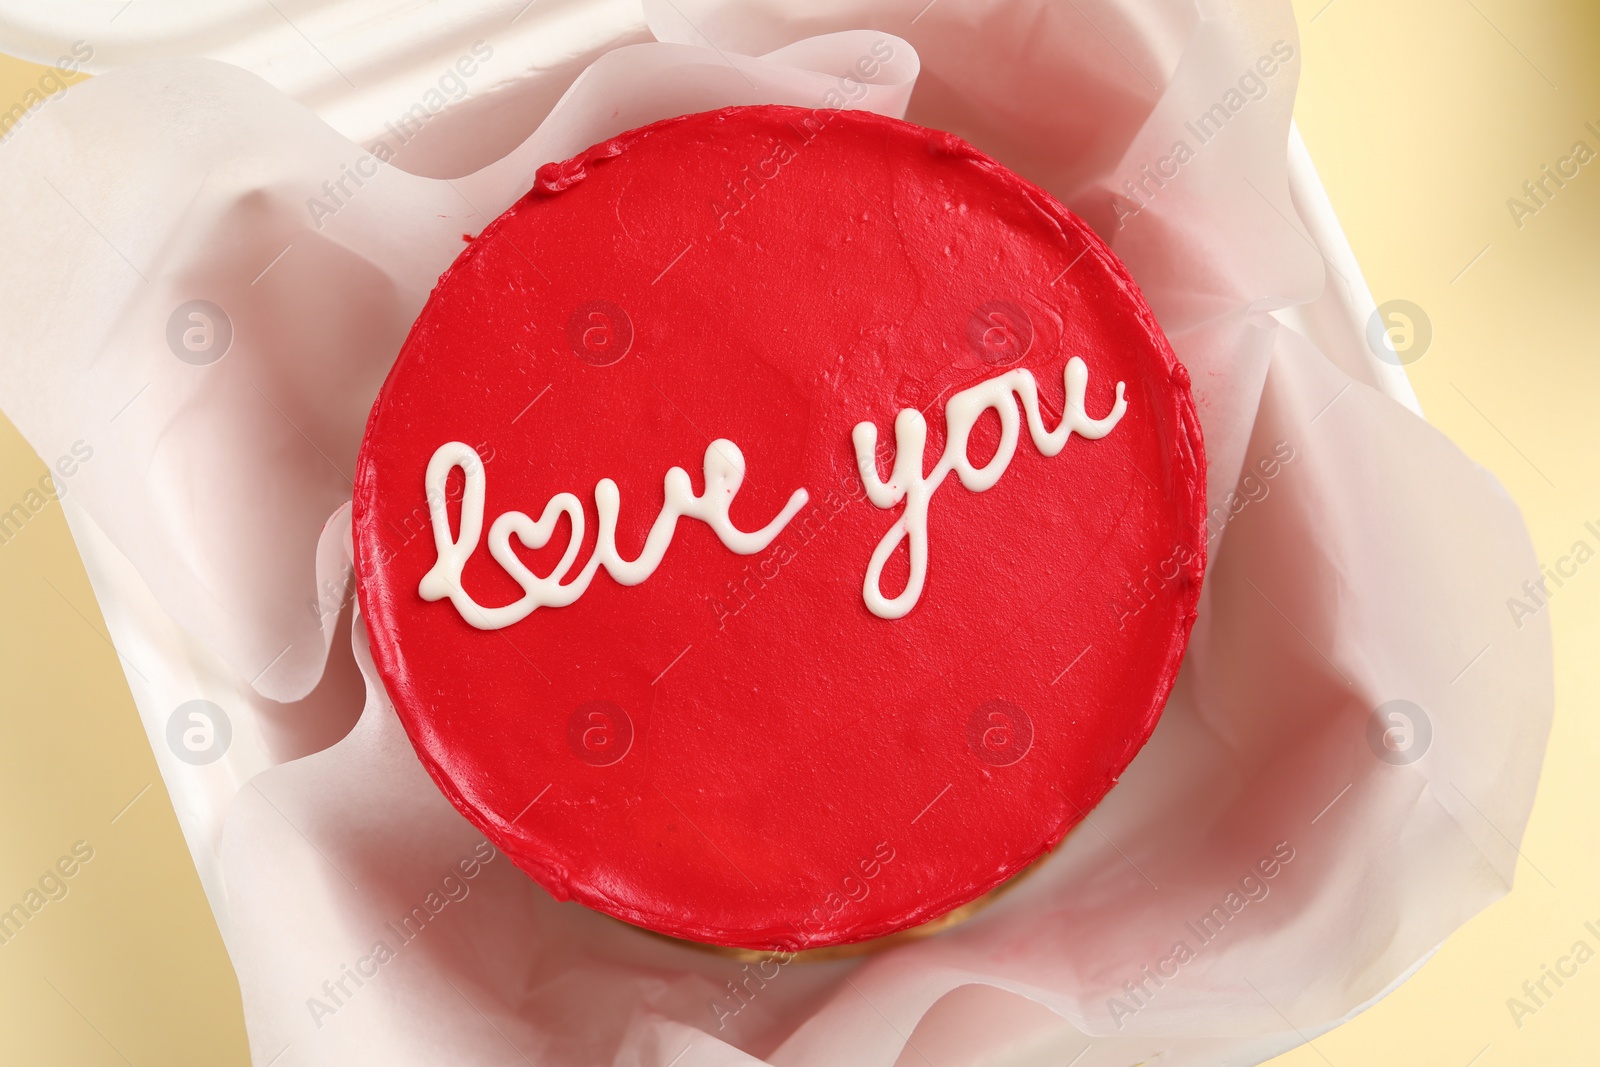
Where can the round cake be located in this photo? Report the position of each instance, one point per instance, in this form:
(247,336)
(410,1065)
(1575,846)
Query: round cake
(780,527)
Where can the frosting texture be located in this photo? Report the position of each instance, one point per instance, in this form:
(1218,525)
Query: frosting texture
(723,725)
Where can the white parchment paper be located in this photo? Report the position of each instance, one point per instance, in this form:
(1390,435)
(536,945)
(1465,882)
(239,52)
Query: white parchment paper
(1284,851)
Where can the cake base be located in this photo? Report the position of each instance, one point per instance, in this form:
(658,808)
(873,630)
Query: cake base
(826,953)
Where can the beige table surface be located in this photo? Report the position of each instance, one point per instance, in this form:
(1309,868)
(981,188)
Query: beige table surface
(1424,117)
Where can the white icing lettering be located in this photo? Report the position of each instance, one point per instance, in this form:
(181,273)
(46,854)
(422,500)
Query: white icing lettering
(907,484)
(724,473)
(724,470)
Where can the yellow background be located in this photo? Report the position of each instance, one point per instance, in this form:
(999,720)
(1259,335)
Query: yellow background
(1423,118)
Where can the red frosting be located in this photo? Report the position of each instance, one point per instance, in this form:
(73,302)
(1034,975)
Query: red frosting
(736,750)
